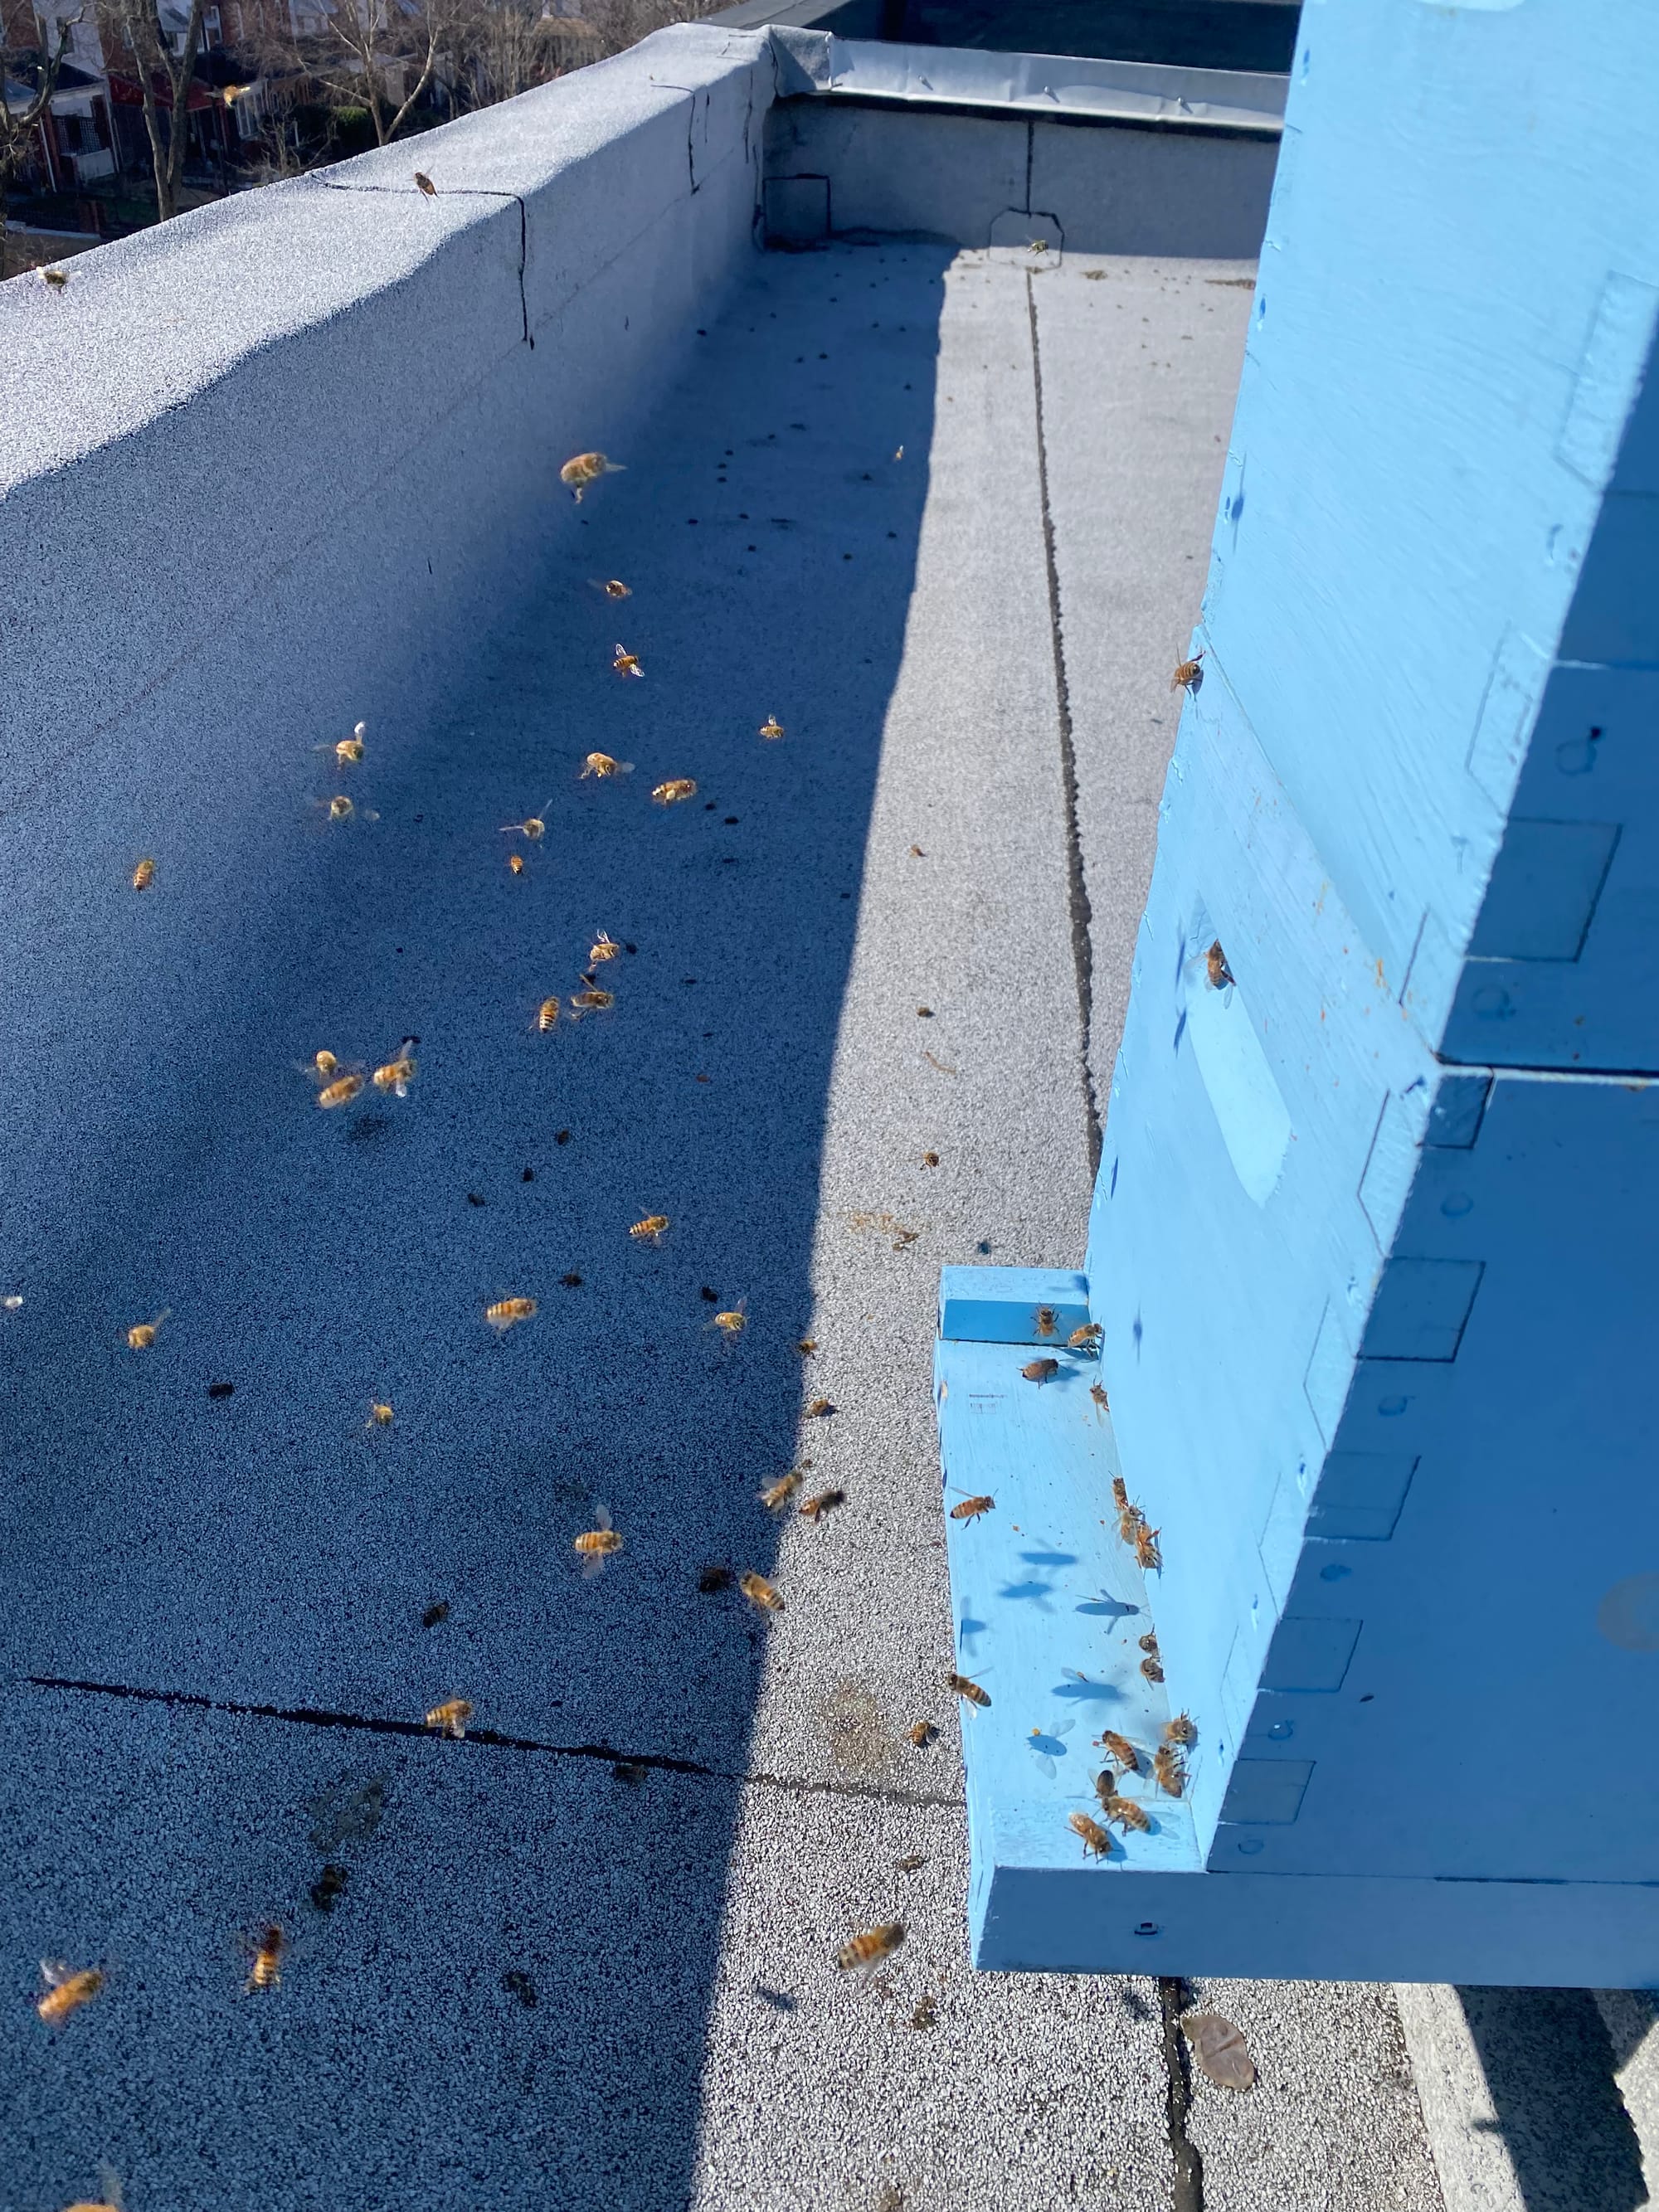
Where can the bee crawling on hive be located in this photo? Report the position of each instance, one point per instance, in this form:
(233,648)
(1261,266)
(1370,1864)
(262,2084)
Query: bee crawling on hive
(507,1312)
(1216,968)
(1189,676)
(1102,1403)
(534,827)
(597,1544)
(1169,1770)
(651,1229)
(671,792)
(1152,1668)
(143,1336)
(626,663)
(451,1717)
(760,1593)
(868,1949)
(582,469)
(971,1508)
(1128,1816)
(1121,1750)
(266,1971)
(776,1496)
(67,1990)
(1044,1322)
(1040,1371)
(1096,1839)
(602,766)
(1180,1730)
(1086,1339)
(1147,1555)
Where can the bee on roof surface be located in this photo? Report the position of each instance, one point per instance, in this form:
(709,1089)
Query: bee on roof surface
(591,1001)
(760,1593)
(322,1066)
(612,587)
(515,862)
(379,1415)
(771,727)
(921,1734)
(971,1508)
(143,1335)
(604,947)
(776,1495)
(425,184)
(602,765)
(451,1717)
(651,1229)
(1127,1814)
(584,469)
(534,827)
(506,1311)
(597,1544)
(340,1092)
(1216,968)
(144,874)
(875,1944)
(819,1410)
(1086,1339)
(342,809)
(547,1014)
(66,1991)
(1189,676)
(677,788)
(1121,1750)
(1171,1775)
(806,1345)
(266,1971)
(1180,1730)
(1039,1370)
(1045,1321)
(110,2182)
(626,663)
(54,279)
(814,1509)
(13,1301)
(1095,1837)
(965,1688)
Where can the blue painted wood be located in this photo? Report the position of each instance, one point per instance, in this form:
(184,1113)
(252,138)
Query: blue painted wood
(1006,1306)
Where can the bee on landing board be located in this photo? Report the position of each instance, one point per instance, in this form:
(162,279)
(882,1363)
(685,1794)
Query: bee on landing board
(677,788)
(1147,1555)
(1180,1730)
(502,1315)
(141,1337)
(651,1229)
(1086,1339)
(1121,1750)
(1152,1668)
(1045,1321)
(1189,676)
(1102,1403)
(760,1593)
(612,587)
(266,1971)
(144,874)
(1167,1770)
(582,469)
(1149,1642)
(971,1508)
(598,1543)
(534,827)
(1127,1814)
(1040,1371)
(1216,968)
(869,1948)
(1095,1837)
(626,663)
(66,1991)
(451,1717)
(965,1688)
(771,727)
(602,766)
(776,1495)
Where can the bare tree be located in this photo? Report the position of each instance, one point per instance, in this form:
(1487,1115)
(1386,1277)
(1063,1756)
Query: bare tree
(370,50)
(18,124)
(141,28)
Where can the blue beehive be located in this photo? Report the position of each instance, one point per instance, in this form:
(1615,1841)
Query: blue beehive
(1371,1240)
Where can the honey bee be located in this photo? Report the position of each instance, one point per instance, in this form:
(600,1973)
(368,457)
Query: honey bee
(965,1688)
(323,1067)
(875,1944)
(1120,1493)
(601,765)
(971,1508)
(1045,1321)
(1216,968)
(516,863)
(547,1014)
(1189,676)
(814,1509)
(1180,1730)
(534,827)
(584,469)
(591,1001)
(379,1415)
(140,1338)
(266,1971)
(604,948)
(66,1991)
(771,727)
(144,874)
(1130,1522)
(1171,1775)
(676,787)
(13,1302)
(341,1092)
(398,1074)
(1039,1370)
(506,1312)
(1127,1814)
(1086,1339)
(899,455)
(598,1543)
(818,1410)
(425,184)
(1121,1750)
(910,1862)
(1095,1837)
(806,1345)
(1097,1392)
(1152,1668)
(651,1229)
(1149,1642)
(110,2182)
(1147,1555)
(451,1717)
(612,587)
(760,1593)
(628,663)
(350,751)
(921,1734)
(777,1495)
(54,279)
(342,809)
(731,1324)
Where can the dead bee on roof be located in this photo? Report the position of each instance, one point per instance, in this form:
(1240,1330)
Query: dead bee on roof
(1189,676)
(582,469)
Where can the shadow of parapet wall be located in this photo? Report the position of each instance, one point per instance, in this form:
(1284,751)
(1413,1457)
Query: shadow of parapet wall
(1549,2065)
(263,1560)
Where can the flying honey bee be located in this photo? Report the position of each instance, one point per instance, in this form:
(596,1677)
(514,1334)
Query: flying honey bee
(1045,1321)
(379,1415)
(66,1991)
(1086,1339)
(899,455)
(516,863)
(776,1495)
(1189,676)
(534,827)
(13,1301)
(651,1229)
(1167,1766)
(731,1324)
(1147,1555)
(604,947)
(266,1971)
(921,1734)
(1095,1837)
(1121,1750)
(140,1338)
(502,1315)
(111,2201)
(598,1543)
(1180,1730)
(54,279)
(612,587)
(965,1688)
(340,1092)
(1102,1403)
(424,184)
(350,751)
(806,1345)
(342,809)
(626,663)
(971,1508)
(771,727)
(451,1717)
(760,1593)
(1216,968)
(874,1945)
(591,1001)
(602,765)
(144,874)
(1039,1370)
(323,1067)
(396,1076)
(584,469)
(1152,1668)
(677,788)
(814,1509)
(818,1410)
(547,1014)
(1127,1814)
